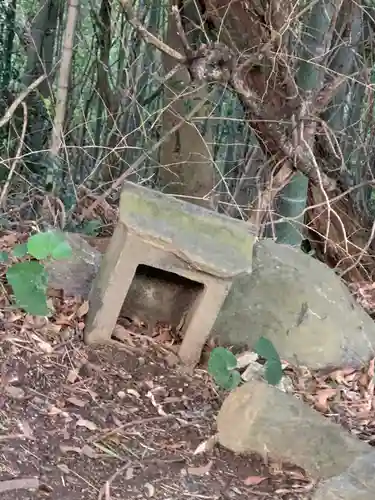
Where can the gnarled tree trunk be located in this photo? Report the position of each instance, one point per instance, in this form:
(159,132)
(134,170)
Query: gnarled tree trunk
(295,77)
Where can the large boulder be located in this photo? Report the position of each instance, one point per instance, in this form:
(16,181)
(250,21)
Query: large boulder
(301,306)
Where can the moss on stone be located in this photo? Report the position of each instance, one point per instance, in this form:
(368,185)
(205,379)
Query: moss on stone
(150,211)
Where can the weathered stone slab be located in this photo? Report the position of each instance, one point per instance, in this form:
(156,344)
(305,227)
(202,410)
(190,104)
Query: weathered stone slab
(210,242)
(258,417)
(299,304)
(158,232)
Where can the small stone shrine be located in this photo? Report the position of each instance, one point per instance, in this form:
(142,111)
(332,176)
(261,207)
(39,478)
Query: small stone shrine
(158,234)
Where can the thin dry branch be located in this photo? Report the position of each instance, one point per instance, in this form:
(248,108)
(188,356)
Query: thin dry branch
(146,35)
(326,94)
(181,32)
(12,108)
(16,158)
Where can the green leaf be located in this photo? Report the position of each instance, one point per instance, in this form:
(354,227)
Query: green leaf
(20,250)
(4,257)
(234,380)
(221,365)
(222,379)
(49,244)
(221,361)
(38,245)
(274,372)
(91,227)
(62,251)
(229,380)
(265,349)
(29,283)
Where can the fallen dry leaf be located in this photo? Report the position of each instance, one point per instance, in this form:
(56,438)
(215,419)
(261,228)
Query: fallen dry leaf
(89,452)
(35,322)
(54,329)
(85,450)
(72,376)
(64,468)
(129,474)
(26,483)
(45,346)
(53,410)
(245,358)
(133,392)
(206,446)
(26,429)
(15,392)
(321,399)
(123,335)
(253,480)
(341,375)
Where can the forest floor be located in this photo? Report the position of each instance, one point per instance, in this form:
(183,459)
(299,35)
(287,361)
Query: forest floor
(79,423)
(84,423)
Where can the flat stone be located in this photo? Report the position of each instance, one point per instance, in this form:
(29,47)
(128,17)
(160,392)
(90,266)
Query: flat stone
(213,243)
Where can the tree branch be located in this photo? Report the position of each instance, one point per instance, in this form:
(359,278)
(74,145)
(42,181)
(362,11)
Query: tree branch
(147,36)
(217,63)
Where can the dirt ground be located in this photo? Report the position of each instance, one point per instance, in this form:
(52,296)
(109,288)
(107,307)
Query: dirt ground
(79,423)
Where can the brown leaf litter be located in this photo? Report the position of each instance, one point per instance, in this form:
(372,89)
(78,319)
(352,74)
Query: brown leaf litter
(107,423)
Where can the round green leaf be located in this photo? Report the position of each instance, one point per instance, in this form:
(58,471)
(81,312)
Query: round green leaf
(62,251)
(221,361)
(49,244)
(35,303)
(265,349)
(274,372)
(29,283)
(222,379)
(234,380)
(229,380)
(38,245)
(20,250)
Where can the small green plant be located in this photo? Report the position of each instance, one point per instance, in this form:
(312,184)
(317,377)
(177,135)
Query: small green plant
(222,365)
(29,279)
(273,369)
